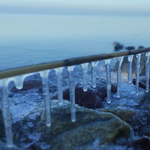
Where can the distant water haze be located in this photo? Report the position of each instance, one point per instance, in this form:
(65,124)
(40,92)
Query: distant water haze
(32,38)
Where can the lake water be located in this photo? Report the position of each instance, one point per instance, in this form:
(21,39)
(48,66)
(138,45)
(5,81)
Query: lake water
(32,39)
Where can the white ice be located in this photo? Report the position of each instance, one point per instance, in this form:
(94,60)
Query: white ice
(130,58)
(72,93)
(108,74)
(147,71)
(84,71)
(138,57)
(45,88)
(120,60)
(94,65)
(6,112)
(59,84)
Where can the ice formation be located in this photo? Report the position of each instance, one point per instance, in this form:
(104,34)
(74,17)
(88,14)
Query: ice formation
(94,65)
(138,57)
(84,71)
(130,58)
(45,88)
(59,84)
(108,74)
(120,60)
(6,113)
(147,71)
(72,93)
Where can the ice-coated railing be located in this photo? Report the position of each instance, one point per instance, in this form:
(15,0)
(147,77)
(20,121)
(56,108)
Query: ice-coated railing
(18,75)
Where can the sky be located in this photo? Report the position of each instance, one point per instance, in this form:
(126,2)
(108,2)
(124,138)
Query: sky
(90,7)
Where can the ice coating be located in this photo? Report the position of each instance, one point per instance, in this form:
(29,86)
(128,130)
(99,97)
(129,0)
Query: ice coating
(45,88)
(147,71)
(108,74)
(120,60)
(84,71)
(130,59)
(18,80)
(72,93)
(59,84)
(94,65)
(6,113)
(138,57)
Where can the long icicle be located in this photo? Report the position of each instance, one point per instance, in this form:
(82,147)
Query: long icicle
(147,71)
(94,65)
(84,71)
(45,88)
(138,57)
(130,58)
(120,60)
(59,84)
(6,113)
(72,93)
(108,73)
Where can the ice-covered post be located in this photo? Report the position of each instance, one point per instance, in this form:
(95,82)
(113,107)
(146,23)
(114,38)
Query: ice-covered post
(94,65)
(138,57)
(147,71)
(84,72)
(45,88)
(6,113)
(120,60)
(59,84)
(130,58)
(72,93)
(108,73)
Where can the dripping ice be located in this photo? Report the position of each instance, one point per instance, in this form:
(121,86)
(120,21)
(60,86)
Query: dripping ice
(6,113)
(45,88)
(108,74)
(94,65)
(147,71)
(130,59)
(59,84)
(138,57)
(120,60)
(84,72)
(72,93)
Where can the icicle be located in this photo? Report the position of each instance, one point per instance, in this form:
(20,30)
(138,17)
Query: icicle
(72,93)
(94,65)
(45,88)
(138,56)
(59,85)
(147,71)
(18,80)
(6,113)
(107,64)
(120,60)
(130,58)
(84,71)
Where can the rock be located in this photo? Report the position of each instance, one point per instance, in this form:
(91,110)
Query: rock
(130,47)
(140,47)
(124,66)
(117,46)
(93,98)
(90,126)
(2,129)
(4,147)
(141,143)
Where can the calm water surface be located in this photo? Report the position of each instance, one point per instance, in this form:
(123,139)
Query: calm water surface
(32,39)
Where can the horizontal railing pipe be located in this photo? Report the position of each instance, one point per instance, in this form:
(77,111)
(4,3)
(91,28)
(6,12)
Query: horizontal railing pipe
(67,62)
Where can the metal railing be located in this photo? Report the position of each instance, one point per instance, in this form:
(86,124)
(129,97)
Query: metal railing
(67,62)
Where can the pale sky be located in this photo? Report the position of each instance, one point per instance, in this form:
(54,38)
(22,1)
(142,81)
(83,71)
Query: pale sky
(137,7)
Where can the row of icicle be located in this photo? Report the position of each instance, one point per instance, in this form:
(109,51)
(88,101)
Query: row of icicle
(18,80)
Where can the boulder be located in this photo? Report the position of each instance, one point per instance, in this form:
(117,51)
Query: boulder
(129,47)
(90,126)
(124,66)
(93,98)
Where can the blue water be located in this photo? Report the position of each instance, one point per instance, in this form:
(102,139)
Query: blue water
(32,39)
